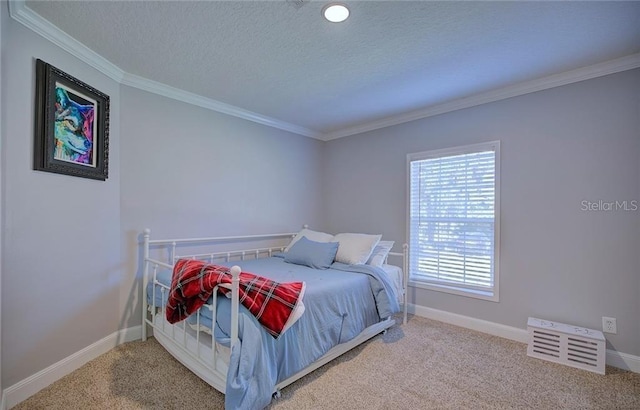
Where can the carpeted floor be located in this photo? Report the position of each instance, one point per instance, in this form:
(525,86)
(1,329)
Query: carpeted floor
(422,365)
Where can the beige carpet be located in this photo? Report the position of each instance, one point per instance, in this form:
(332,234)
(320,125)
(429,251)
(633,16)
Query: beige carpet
(422,365)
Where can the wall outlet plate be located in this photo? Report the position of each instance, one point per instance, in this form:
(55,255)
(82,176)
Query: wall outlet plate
(609,325)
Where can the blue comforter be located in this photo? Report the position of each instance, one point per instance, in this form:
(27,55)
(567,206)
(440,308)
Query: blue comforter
(340,303)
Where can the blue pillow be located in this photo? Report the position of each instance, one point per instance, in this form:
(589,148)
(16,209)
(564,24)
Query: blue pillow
(317,255)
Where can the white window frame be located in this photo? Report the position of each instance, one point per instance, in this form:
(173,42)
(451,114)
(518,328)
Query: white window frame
(491,294)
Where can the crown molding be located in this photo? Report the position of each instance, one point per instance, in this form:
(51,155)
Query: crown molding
(27,17)
(155,87)
(19,11)
(585,73)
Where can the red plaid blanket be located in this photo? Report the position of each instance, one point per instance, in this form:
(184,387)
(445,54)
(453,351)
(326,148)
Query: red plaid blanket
(193,282)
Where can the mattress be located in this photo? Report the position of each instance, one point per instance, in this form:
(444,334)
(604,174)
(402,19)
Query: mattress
(164,276)
(395,275)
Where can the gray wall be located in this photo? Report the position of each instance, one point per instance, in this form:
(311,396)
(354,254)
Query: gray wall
(188,172)
(559,147)
(61,262)
(175,168)
(182,170)
(4,17)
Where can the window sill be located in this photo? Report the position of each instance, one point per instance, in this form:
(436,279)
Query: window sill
(470,293)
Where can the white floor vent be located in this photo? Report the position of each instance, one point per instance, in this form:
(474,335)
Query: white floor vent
(565,344)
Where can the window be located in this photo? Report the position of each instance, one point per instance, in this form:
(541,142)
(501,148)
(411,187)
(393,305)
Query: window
(454,203)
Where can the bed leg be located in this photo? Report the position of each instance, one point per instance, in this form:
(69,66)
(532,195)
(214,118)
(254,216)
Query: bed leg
(277,394)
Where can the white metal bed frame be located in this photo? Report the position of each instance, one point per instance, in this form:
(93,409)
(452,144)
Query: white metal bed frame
(184,343)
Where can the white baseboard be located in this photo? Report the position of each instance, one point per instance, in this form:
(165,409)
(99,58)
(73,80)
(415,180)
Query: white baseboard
(31,385)
(616,359)
(484,326)
(623,361)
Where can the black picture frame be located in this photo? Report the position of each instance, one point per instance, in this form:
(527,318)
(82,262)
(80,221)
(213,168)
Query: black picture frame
(71,125)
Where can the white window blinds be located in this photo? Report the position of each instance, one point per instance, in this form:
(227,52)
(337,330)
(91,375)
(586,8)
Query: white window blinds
(452,218)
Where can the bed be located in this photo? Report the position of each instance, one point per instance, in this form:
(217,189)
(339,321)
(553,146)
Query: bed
(341,305)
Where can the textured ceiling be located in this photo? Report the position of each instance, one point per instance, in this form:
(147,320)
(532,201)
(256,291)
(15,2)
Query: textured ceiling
(388,58)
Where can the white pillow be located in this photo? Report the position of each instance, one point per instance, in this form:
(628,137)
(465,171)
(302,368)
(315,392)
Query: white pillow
(355,248)
(310,235)
(380,253)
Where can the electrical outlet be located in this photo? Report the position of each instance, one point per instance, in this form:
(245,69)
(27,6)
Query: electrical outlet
(609,325)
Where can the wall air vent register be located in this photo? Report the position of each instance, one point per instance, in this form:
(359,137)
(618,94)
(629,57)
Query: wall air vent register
(565,344)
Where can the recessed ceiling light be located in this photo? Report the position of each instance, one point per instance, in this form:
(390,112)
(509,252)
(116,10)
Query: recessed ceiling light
(335,12)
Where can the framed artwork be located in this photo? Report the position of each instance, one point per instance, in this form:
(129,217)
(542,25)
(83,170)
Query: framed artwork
(72,125)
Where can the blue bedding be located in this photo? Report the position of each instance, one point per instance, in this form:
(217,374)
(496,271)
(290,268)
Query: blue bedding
(340,303)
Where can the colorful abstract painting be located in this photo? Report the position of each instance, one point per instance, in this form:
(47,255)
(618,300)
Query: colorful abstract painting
(75,124)
(72,125)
